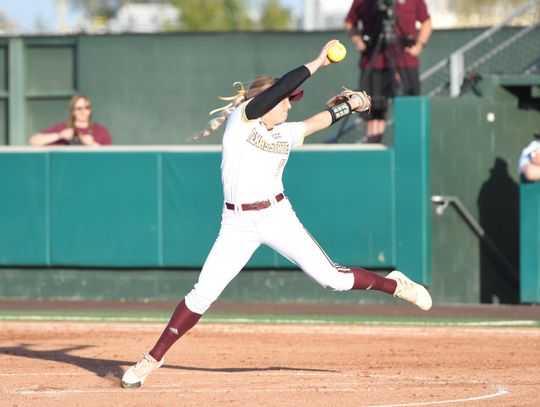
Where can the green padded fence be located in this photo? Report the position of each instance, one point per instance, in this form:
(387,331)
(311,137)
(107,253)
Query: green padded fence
(121,208)
(529,198)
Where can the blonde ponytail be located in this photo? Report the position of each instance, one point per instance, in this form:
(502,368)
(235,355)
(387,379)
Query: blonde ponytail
(226,110)
(257,86)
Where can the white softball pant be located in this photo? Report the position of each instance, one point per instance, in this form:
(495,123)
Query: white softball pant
(242,233)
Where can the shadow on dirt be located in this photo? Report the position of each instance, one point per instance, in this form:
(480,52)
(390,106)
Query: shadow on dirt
(116,368)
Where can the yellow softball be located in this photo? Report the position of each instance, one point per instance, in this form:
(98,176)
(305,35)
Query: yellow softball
(337,52)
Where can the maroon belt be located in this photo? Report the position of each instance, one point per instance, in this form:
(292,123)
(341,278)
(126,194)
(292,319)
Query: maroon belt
(255,206)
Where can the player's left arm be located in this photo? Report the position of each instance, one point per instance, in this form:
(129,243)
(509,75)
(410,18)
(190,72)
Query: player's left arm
(318,122)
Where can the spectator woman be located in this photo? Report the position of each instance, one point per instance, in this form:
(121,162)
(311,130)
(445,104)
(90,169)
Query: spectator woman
(78,130)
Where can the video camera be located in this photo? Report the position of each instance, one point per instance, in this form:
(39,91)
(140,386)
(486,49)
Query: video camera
(386,8)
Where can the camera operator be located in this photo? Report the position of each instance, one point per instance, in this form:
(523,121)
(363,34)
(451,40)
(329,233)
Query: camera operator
(390,46)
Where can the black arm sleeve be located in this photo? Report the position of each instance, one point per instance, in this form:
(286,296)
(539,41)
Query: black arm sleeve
(267,100)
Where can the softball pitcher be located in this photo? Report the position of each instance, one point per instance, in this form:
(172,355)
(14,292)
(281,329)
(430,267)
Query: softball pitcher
(256,146)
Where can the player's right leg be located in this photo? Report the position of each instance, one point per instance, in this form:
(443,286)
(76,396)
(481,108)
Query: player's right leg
(237,241)
(136,375)
(287,235)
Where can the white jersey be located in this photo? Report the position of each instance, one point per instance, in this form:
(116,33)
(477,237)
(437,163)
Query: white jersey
(254,157)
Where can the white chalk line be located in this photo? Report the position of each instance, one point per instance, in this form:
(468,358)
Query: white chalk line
(168,372)
(298,372)
(359,375)
(35,391)
(241,375)
(500,323)
(160,390)
(299,328)
(501,391)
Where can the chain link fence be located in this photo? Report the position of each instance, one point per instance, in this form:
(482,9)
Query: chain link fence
(512,47)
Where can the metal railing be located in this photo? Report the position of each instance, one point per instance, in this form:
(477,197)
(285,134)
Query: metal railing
(443,201)
(520,43)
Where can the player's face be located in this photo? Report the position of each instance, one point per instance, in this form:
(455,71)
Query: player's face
(278,114)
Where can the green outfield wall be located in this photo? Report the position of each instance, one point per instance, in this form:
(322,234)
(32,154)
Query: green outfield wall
(158,89)
(475,146)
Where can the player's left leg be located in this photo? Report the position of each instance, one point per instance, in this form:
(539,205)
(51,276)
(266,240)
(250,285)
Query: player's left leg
(233,248)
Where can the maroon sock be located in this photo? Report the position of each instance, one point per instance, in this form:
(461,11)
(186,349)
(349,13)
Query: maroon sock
(182,320)
(367,280)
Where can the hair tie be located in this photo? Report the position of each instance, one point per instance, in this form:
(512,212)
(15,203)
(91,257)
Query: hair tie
(239,93)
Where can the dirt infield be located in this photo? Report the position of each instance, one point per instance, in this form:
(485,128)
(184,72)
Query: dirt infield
(80,364)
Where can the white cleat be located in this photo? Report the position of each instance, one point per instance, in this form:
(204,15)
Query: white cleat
(410,291)
(137,374)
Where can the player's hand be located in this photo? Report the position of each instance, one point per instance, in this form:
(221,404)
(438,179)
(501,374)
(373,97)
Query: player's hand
(359,100)
(66,134)
(322,58)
